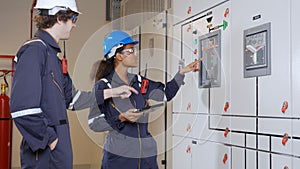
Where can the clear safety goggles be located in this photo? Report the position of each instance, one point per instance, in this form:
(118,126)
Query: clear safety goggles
(129,51)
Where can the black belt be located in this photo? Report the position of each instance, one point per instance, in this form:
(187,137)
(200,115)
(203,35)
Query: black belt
(62,122)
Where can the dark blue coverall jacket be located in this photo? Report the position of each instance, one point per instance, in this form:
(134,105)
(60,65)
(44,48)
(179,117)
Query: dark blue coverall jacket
(40,95)
(130,145)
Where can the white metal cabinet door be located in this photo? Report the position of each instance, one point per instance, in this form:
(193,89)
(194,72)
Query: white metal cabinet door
(296,147)
(263,160)
(238,158)
(181,153)
(198,28)
(276,85)
(200,128)
(210,155)
(243,90)
(183,124)
(218,95)
(282,162)
(275,88)
(296,163)
(191,98)
(251,161)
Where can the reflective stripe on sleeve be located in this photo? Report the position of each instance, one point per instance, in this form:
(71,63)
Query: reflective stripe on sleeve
(71,106)
(90,121)
(26,112)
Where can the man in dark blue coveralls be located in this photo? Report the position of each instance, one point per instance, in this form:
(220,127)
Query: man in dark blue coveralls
(41,91)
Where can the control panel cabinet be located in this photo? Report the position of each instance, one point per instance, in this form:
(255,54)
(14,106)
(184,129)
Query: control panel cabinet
(248,109)
(276,83)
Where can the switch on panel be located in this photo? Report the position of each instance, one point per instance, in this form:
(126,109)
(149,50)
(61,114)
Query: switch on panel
(257,61)
(210,67)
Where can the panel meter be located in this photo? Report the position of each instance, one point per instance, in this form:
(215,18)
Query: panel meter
(257,61)
(210,67)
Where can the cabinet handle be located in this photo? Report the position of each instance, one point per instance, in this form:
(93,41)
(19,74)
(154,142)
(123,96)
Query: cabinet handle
(226,106)
(225,158)
(189,106)
(285,106)
(188,128)
(285,139)
(189,10)
(188,149)
(226,132)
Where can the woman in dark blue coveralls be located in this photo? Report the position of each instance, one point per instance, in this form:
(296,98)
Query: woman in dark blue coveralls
(129,145)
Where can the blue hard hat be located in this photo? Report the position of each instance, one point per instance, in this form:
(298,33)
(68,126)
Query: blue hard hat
(115,40)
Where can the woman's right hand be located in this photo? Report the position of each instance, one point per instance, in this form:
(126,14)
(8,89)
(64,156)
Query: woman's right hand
(130,115)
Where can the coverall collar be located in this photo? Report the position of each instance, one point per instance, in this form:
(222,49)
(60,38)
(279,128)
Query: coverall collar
(46,37)
(117,80)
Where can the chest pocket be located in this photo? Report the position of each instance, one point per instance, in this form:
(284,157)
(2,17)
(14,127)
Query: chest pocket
(51,78)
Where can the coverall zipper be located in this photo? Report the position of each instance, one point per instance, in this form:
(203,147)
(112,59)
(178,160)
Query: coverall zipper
(139,136)
(56,84)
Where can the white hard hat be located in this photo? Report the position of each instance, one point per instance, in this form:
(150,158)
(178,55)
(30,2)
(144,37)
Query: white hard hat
(56,5)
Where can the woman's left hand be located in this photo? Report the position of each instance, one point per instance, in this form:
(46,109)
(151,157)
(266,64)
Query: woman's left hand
(194,66)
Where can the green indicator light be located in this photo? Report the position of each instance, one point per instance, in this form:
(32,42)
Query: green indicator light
(195,41)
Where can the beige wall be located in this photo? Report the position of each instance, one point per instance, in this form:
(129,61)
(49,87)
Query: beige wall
(15,29)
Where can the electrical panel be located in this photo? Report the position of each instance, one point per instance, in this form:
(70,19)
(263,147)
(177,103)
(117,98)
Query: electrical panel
(240,111)
(210,53)
(257,61)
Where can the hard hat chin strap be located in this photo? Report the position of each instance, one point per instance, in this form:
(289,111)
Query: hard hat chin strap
(113,51)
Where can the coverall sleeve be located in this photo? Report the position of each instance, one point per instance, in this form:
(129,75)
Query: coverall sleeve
(82,100)
(26,94)
(100,86)
(159,92)
(76,99)
(97,120)
(68,89)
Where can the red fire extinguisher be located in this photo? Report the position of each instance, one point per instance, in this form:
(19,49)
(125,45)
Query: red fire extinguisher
(5,130)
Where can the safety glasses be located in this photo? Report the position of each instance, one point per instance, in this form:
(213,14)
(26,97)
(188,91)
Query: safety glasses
(74,18)
(129,51)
